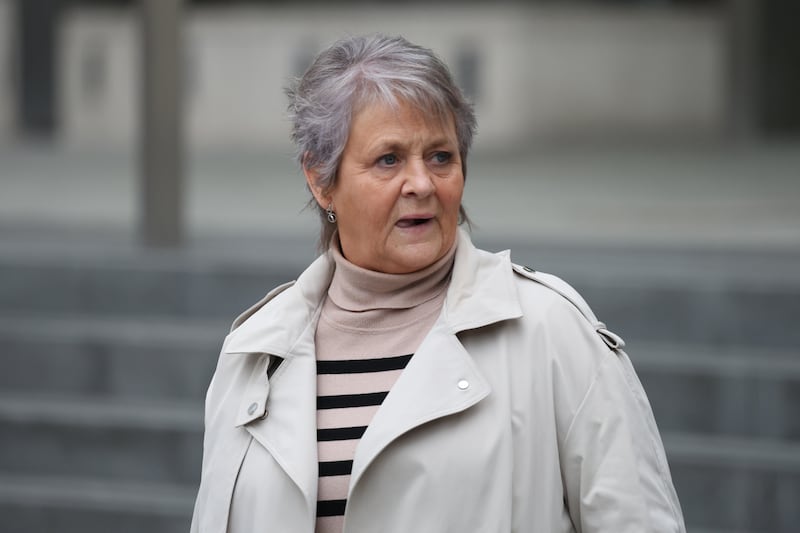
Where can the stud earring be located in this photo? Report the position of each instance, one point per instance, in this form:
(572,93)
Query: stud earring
(331,214)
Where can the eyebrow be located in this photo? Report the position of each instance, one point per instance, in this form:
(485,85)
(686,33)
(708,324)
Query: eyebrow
(392,145)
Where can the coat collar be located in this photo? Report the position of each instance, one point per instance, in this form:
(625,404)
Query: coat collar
(481,292)
(277,326)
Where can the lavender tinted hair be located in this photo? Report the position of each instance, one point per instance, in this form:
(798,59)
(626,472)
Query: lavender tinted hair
(354,73)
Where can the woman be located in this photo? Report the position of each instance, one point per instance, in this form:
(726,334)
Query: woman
(408,381)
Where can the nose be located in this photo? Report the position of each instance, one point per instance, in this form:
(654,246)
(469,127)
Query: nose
(417,180)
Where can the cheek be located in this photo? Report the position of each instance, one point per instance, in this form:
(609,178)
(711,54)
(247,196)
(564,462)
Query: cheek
(371,209)
(450,197)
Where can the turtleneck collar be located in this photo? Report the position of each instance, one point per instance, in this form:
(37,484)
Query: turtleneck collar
(354,288)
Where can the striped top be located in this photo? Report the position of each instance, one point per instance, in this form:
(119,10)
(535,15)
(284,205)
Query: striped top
(370,325)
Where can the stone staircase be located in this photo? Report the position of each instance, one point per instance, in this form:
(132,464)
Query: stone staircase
(108,351)
(107,354)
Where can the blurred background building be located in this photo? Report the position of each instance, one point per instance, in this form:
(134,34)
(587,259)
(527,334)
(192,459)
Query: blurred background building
(646,150)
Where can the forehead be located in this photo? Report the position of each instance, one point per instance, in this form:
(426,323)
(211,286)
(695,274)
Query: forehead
(401,117)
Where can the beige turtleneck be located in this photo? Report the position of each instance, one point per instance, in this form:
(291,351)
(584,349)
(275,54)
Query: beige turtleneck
(371,323)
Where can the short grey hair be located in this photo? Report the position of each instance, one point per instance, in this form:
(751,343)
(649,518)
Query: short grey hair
(358,71)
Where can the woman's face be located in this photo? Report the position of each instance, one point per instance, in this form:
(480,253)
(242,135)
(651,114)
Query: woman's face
(398,190)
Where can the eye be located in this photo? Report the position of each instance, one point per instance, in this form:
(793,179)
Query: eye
(388,160)
(442,158)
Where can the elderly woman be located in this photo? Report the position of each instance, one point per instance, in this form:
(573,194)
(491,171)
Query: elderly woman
(407,381)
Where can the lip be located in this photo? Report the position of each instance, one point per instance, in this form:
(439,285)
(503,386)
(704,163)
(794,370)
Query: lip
(414,220)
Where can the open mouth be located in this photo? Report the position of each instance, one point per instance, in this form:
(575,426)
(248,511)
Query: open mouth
(411,222)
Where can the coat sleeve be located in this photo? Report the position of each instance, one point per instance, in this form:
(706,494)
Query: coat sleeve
(614,467)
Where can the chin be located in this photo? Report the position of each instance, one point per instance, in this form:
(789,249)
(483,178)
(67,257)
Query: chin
(413,262)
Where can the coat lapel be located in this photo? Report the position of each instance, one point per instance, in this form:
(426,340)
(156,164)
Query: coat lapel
(288,429)
(440,380)
(280,412)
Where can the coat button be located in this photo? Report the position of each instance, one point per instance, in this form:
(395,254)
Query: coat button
(252,409)
(463,384)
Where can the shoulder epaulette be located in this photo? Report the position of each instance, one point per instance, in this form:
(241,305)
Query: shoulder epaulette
(566,291)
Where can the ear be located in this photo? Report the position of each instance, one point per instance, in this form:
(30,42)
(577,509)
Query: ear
(312,178)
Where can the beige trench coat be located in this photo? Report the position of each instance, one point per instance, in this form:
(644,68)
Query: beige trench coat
(518,413)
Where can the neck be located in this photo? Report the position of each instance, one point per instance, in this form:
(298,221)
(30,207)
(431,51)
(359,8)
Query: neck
(354,288)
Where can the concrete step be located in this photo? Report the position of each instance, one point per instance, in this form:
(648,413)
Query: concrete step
(735,391)
(36,504)
(102,356)
(727,316)
(138,441)
(734,484)
(101,278)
